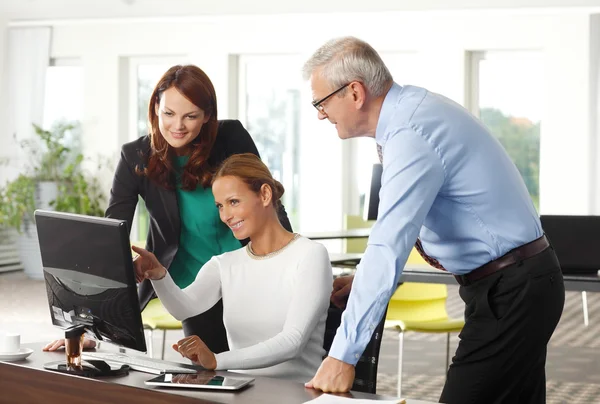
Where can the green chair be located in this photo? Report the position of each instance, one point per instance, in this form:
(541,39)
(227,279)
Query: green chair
(156,317)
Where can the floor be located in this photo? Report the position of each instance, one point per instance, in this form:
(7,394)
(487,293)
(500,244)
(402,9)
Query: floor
(573,366)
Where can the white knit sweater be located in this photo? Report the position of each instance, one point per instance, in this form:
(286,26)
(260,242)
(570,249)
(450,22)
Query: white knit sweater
(274,309)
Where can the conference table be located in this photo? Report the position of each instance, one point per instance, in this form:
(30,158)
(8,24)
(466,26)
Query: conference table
(27,381)
(337,234)
(574,282)
(426,274)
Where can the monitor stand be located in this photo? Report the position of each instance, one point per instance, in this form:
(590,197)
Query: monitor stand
(89,368)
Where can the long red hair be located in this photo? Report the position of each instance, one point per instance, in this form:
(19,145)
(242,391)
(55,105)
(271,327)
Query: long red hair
(194,85)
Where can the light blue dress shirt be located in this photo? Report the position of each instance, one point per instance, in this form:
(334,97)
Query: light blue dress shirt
(445,179)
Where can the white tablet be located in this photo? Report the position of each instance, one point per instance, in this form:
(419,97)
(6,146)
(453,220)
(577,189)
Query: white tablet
(200,381)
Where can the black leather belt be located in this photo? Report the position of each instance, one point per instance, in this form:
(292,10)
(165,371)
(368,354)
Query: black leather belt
(512,257)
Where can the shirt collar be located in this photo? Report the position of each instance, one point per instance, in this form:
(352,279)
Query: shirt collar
(388,108)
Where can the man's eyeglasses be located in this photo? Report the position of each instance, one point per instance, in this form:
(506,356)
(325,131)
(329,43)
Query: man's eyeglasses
(321,108)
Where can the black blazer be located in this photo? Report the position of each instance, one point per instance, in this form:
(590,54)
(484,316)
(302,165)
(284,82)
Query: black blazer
(165,225)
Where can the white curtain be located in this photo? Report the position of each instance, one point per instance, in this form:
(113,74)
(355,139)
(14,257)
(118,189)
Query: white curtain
(27,61)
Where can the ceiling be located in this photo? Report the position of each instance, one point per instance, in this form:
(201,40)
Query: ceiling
(29,10)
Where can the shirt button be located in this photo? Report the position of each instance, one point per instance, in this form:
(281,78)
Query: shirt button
(371,327)
(357,356)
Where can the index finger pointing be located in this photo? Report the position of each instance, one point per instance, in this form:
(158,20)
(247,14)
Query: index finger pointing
(141,251)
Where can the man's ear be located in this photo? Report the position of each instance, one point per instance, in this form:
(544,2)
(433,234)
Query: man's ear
(266,194)
(358,92)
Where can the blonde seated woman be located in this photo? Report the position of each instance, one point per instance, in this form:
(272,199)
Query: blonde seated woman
(275,290)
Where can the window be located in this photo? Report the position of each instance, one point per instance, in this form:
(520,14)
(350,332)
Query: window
(147,76)
(404,67)
(507,95)
(144,74)
(270,99)
(63,96)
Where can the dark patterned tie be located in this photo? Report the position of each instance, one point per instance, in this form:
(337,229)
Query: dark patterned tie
(430,260)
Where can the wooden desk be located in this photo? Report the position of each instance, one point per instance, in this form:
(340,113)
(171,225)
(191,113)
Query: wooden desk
(338,234)
(27,382)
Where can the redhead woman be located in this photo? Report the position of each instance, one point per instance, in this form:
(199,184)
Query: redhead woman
(171,169)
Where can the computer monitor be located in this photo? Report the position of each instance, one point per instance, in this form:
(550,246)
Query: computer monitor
(576,241)
(89,276)
(372,199)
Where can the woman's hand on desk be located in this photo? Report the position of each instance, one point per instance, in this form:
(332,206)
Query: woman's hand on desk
(59,343)
(341,290)
(195,349)
(147,265)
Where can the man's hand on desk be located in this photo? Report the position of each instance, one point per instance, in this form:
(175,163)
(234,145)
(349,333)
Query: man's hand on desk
(195,349)
(59,343)
(341,290)
(333,376)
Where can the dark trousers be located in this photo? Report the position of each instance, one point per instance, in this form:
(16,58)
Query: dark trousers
(509,319)
(209,327)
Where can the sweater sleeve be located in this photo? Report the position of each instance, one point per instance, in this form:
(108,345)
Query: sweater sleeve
(197,298)
(313,284)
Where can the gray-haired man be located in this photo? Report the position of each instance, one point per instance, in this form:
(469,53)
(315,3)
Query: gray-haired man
(449,186)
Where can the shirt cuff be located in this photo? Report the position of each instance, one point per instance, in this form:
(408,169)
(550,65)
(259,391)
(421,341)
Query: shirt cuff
(225,361)
(345,350)
(163,284)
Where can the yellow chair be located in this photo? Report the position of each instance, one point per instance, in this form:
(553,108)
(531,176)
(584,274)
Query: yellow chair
(156,317)
(356,245)
(419,307)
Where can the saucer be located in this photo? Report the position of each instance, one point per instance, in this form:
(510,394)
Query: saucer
(16,356)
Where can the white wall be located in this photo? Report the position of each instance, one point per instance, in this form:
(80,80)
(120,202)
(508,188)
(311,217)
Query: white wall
(594,110)
(568,171)
(8,148)
(566,167)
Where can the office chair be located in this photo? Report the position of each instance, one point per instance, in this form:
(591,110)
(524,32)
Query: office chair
(365,379)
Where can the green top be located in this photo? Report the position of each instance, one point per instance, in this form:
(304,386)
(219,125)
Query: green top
(203,235)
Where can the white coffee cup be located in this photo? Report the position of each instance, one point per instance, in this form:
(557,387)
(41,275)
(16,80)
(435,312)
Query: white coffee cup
(9,342)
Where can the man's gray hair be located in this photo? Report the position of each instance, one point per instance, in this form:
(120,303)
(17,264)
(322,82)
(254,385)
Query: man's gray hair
(347,59)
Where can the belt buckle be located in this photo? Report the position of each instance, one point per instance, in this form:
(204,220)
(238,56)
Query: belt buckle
(462,280)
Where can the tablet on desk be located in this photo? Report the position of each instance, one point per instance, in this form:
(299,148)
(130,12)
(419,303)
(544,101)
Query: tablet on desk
(199,381)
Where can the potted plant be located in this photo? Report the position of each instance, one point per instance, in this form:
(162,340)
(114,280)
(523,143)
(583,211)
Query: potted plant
(55,180)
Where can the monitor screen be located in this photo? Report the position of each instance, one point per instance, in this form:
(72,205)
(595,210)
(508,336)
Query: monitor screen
(372,199)
(89,276)
(575,240)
